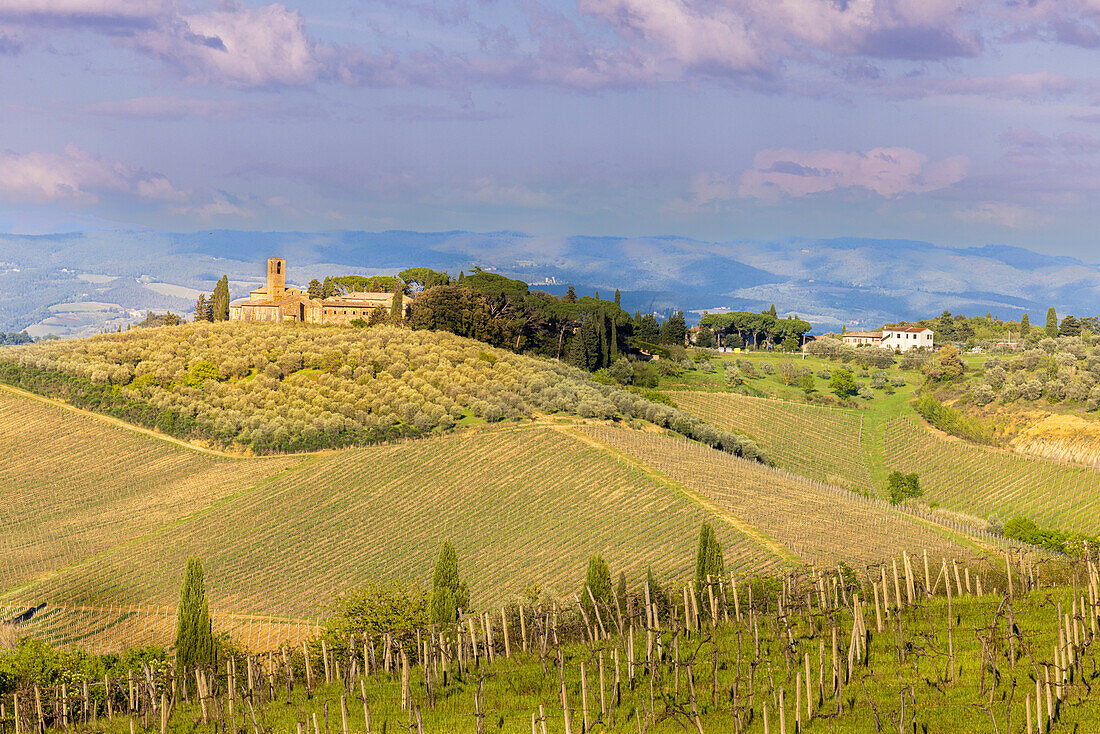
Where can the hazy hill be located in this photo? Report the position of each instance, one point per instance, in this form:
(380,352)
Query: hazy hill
(847,280)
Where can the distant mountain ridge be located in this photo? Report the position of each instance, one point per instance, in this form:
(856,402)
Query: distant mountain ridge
(76,283)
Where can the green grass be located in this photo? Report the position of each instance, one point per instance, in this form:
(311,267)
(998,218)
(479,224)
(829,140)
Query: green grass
(723,662)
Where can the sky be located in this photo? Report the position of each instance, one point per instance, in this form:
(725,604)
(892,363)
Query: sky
(962,122)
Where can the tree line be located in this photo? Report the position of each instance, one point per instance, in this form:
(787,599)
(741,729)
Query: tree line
(763,330)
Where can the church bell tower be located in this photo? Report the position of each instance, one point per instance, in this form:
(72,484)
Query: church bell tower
(276,278)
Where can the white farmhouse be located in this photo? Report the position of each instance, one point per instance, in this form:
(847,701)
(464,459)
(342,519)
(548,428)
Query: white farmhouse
(899,338)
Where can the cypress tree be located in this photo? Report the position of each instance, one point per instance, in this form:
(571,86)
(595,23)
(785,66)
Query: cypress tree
(571,295)
(449,593)
(194,635)
(772,312)
(618,299)
(1052,322)
(397,310)
(1025,325)
(315,289)
(708,558)
(598,579)
(220,300)
(200,308)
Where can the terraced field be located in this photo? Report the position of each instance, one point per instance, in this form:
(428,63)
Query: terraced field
(822,524)
(984,481)
(813,441)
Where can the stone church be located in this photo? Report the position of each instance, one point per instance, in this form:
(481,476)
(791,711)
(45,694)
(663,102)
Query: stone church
(277,302)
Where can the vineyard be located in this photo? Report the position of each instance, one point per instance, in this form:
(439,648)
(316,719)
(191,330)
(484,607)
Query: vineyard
(816,652)
(521,502)
(822,524)
(101,536)
(817,442)
(987,482)
(86,486)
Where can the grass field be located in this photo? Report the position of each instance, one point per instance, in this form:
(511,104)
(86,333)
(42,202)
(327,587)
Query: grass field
(986,482)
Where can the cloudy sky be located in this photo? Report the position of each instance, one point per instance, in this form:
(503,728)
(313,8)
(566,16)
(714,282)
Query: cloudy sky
(956,121)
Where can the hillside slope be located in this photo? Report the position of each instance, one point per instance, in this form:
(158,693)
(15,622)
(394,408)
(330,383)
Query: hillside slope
(817,442)
(523,504)
(297,387)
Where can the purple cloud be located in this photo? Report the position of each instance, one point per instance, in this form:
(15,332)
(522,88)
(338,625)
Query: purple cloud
(77,176)
(888,172)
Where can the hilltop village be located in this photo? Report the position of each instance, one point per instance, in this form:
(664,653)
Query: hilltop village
(276,302)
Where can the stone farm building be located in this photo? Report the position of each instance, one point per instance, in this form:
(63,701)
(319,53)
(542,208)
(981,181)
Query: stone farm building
(901,338)
(276,302)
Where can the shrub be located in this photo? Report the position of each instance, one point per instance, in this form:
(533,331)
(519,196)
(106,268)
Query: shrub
(950,420)
(903,486)
(983,394)
(400,607)
(843,384)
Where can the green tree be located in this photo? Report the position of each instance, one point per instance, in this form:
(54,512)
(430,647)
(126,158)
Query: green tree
(315,290)
(219,303)
(903,486)
(397,308)
(674,329)
(708,557)
(1070,326)
(771,312)
(194,635)
(843,383)
(618,299)
(598,579)
(398,607)
(328,288)
(570,295)
(201,308)
(646,329)
(1025,325)
(449,592)
(1052,322)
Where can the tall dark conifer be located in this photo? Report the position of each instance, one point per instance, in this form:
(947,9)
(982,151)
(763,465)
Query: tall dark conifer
(449,592)
(194,635)
(708,557)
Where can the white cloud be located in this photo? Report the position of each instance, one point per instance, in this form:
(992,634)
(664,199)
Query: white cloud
(77,175)
(234,45)
(888,172)
(239,46)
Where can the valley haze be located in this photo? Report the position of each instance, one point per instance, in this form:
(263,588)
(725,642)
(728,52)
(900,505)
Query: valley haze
(76,284)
